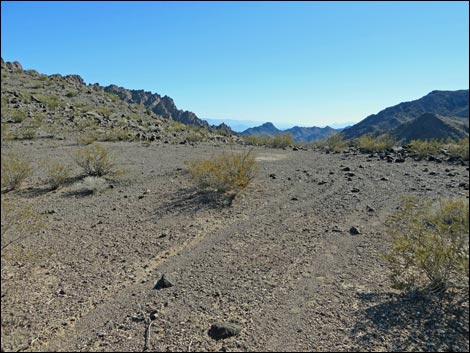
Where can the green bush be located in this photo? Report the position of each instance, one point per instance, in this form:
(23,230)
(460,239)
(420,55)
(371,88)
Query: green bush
(95,160)
(430,244)
(14,169)
(224,172)
(368,143)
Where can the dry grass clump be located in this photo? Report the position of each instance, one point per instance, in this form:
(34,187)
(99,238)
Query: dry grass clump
(226,172)
(95,160)
(14,169)
(430,244)
(90,185)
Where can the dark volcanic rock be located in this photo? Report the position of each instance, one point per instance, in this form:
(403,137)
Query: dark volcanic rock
(163,283)
(220,331)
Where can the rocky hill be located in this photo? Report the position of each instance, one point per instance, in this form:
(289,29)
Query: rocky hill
(163,106)
(299,134)
(37,105)
(431,126)
(451,106)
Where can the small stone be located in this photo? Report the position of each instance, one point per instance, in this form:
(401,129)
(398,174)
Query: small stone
(370,209)
(321,182)
(163,283)
(294,199)
(355,190)
(346,169)
(220,331)
(153,315)
(354,231)
(141,197)
(272,176)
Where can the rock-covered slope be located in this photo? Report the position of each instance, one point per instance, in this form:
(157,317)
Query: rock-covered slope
(163,106)
(449,105)
(299,134)
(38,105)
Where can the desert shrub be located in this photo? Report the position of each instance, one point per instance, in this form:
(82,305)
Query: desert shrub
(195,136)
(113,97)
(368,143)
(27,133)
(256,140)
(87,137)
(95,160)
(114,134)
(18,116)
(105,111)
(71,94)
(460,149)
(57,174)
(336,143)
(430,244)
(14,169)
(281,141)
(18,222)
(275,141)
(91,185)
(176,126)
(425,148)
(52,102)
(6,134)
(226,172)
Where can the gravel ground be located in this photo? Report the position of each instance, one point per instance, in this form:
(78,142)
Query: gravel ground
(280,262)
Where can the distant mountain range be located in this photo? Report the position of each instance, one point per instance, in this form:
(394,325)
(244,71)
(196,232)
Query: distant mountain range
(439,114)
(299,134)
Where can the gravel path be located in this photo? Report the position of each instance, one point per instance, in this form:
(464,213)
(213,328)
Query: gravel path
(280,262)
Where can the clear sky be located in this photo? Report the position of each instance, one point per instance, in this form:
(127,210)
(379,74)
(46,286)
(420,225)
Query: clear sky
(306,63)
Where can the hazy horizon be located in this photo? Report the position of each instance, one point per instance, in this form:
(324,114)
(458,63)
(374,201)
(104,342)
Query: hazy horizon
(293,63)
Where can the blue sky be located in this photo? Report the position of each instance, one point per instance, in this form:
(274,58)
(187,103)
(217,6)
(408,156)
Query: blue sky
(304,63)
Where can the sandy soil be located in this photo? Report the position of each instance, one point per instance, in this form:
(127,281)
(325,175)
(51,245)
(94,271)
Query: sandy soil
(279,262)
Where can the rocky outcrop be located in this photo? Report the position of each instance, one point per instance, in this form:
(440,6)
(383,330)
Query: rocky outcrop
(11,66)
(164,106)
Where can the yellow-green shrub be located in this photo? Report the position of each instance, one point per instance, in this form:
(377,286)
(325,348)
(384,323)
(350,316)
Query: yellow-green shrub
(460,149)
(57,174)
(430,244)
(224,172)
(337,143)
(425,148)
(95,160)
(14,169)
(368,143)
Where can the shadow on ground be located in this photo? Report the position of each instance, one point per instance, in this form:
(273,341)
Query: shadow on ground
(190,201)
(414,322)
